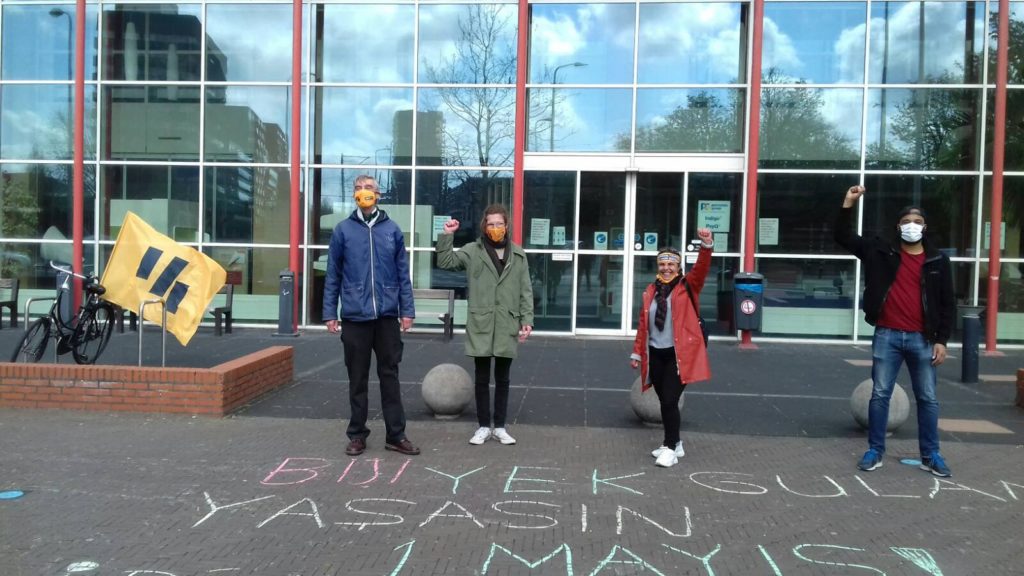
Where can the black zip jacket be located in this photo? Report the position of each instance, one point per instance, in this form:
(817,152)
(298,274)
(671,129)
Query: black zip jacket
(881,260)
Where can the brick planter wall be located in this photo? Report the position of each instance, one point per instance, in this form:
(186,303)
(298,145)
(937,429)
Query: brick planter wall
(213,391)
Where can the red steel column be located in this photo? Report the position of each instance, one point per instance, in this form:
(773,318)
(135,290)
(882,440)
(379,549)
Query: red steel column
(78,143)
(753,147)
(522,49)
(295,225)
(998,154)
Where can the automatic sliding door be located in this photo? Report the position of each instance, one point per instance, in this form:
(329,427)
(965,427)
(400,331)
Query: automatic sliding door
(602,250)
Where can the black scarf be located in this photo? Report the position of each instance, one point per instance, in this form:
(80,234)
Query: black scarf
(492,251)
(661,292)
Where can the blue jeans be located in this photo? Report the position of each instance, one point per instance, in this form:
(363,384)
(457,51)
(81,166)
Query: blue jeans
(889,349)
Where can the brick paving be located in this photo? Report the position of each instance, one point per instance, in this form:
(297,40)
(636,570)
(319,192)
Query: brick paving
(768,484)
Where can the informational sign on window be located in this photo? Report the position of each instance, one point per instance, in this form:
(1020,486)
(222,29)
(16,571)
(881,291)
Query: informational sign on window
(714,215)
(558,236)
(650,241)
(987,239)
(600,240)
(540,231)
(768,231)
(438,226)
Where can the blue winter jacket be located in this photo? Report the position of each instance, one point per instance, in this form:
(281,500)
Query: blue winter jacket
(369,267)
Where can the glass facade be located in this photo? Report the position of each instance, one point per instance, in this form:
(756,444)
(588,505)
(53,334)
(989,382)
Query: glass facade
(636,133)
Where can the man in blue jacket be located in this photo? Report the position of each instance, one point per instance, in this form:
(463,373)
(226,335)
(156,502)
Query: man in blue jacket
(908,298)
(368,267)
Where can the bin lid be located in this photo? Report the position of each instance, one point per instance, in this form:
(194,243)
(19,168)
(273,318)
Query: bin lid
(748,277)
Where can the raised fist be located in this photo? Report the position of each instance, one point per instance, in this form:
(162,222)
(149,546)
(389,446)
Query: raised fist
(852,195)
(451,226)
(705,235)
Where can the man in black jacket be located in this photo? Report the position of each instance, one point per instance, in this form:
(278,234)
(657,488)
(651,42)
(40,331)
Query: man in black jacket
(908,298)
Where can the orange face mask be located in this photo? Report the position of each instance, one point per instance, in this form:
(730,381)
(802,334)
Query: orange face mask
(366,199)
(496,234)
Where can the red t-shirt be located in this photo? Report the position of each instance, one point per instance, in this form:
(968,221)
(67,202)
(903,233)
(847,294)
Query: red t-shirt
(903,308)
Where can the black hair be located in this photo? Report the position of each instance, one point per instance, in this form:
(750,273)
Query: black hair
(910,210)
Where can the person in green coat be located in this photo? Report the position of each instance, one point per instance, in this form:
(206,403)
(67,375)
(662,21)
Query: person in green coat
(500,302)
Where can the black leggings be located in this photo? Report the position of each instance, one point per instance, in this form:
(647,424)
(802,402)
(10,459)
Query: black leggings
(502,368)
(664,375)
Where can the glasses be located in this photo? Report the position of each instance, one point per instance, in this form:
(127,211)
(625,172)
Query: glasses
(369,187)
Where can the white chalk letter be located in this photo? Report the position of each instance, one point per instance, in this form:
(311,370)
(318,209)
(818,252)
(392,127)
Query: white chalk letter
(704,560)
(397,519)
(457,479)
(798,553)
(438,514)
(214,508)
(686,515)
(550,521)
(313,513)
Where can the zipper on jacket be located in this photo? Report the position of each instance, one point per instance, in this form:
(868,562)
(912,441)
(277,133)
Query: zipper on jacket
(373,280)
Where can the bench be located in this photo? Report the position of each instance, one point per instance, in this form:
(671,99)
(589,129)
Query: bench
(447,319)
(9,295)
(222,313)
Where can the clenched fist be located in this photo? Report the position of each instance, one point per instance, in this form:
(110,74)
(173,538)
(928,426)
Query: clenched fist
(852,195)
(451,226)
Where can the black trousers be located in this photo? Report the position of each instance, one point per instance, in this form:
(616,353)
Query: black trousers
(382,337)
(502,368)
(664,375)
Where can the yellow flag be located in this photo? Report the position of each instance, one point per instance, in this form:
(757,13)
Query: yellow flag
(146,265)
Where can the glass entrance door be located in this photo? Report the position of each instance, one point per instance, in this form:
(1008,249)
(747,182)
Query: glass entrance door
(604,246)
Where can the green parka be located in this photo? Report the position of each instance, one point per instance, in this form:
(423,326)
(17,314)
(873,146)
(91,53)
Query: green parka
(498,306)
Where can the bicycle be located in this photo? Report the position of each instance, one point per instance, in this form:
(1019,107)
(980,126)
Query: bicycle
(87,334)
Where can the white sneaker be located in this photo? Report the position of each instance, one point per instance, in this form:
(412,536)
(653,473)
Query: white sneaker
(480,436)
(679,450)
(667,459)
(503,436)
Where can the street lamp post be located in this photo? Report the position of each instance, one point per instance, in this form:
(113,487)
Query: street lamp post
(551,121)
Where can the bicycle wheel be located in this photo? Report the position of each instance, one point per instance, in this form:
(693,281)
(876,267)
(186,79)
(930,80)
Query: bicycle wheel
(92,334)
(33,342)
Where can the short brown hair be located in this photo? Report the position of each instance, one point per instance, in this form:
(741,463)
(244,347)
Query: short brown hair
(494,209)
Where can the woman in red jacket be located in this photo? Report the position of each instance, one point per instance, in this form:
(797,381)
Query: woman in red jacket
(669,342)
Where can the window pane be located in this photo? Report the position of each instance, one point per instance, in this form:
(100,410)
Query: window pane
(466,126)
(584,120)
(38,42)
(354,126)
(37,203)
(166,197)
(808,298)
(150,123)
(549,202)
(810,128)
(677,120)
(36,122)
(351,56)
(950,203)
(249,42)
(659,210)
(925,42)
(798,212)
(1015,73)
(245,204)
(254,273)
(597,308)
(247,124)
(332,200)
(462,195)
(692,43)
(714,200)
(1012,229)
(923,129)
(154,42)
(581,43)
(1013,151)
(834,53)
(1010,322)
(468,44)
(602,209)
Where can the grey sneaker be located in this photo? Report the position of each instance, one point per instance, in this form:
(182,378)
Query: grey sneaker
(503,436)
(679,450)
(481,435)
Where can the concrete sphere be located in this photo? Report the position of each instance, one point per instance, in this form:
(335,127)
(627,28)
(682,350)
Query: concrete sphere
(646,405)
(899,405)
(447,390)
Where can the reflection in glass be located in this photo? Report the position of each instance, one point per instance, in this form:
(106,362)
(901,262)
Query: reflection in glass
(692,43)
(35,202)
(458,194)
(949,202)
(810,128)
(247,124)
(1013,139)
(602,209)
(37,122)
(332,201)
(799,212)
(925,42)
(584,120)
(365,126)
(659,211)
(38,42)
(349,55)
(715,299)
(1010,324)
(599,36)
(549,205)
(681,120)
(923,129)
(254,272)
(466,126)
(245,204)
(708,196)
(30,264)
(552,293)
(426,274)
(834,53)
(1012,229)
(253,40)
(468,44)
(601,305)
(166,197)
(808,298)
(157,42)
(140,125)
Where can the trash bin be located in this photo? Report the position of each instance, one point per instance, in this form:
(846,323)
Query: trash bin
(970,321)
(748,297)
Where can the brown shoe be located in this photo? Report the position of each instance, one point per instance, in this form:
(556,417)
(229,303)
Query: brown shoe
(355,447)
(403,446)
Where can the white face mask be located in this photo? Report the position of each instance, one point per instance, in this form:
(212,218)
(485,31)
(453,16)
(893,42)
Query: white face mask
(911,232)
